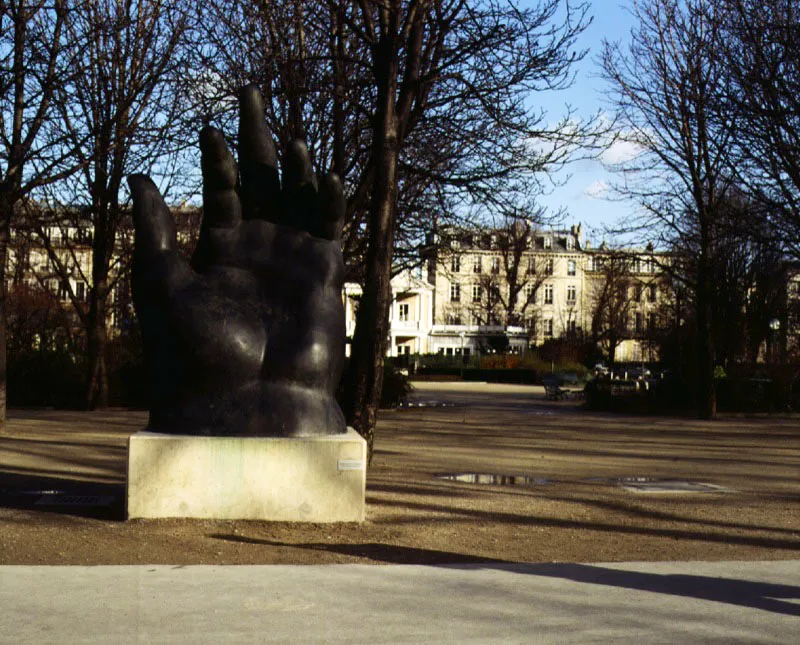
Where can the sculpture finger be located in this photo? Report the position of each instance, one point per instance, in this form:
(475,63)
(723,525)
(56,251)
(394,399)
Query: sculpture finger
(299,187)
(331,209)
(221,205)
(258,161)
(153,224)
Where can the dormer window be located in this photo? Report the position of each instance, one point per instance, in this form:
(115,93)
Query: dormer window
(548,242)
(570,243)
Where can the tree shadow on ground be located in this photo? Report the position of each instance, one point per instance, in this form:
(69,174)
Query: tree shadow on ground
(388,553)
(449,514)
(775,598)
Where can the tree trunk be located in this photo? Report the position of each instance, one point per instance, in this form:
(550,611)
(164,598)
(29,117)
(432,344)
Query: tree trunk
(6,208)
(706,392)
(372,322)
(96,337)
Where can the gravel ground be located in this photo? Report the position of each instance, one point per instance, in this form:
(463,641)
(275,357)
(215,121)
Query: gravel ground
(571,509)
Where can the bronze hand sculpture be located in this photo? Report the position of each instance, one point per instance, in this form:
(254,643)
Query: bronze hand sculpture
(248,339)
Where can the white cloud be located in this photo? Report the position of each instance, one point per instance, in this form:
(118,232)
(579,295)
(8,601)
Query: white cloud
(620,151)
(596,189)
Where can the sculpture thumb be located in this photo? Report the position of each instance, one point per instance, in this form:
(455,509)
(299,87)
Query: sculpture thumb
(152,221)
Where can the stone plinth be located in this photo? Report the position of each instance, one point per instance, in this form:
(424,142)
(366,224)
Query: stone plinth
(313,479)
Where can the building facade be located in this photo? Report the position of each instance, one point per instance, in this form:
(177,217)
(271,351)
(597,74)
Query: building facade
(526,286)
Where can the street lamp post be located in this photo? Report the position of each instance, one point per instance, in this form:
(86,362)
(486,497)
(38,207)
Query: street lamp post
(774,327)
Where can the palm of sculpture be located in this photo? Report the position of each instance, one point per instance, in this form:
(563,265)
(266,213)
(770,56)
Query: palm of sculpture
(249,339)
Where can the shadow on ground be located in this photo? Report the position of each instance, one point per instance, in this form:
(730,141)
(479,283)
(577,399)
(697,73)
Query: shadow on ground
(388,553)
(769,597)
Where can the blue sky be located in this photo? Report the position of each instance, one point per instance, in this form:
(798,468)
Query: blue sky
(582,193)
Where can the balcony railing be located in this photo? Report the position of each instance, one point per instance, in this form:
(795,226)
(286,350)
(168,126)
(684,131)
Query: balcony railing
(477,329)
(405,324)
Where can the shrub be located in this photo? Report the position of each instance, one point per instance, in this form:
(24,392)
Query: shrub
(396,386)
(45,378)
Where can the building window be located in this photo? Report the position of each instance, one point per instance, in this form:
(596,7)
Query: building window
(476,265)
(530,293)
(637,293)
(453,319)
(531,266)
(548,327)
(81,291)
(495,265)
(572,326)
(63,291)
(548,294)
(639,322)
(572,267)
(651,293)
(402,312)
(571,293)
(636,265)
(548,267)
(570,243)
(648,265)
(652,322)
(530,323)
(477,292)
(548,242)
(455,292)
(455,264)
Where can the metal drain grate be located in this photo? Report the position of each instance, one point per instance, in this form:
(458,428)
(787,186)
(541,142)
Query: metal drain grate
(660,485)
(75,500)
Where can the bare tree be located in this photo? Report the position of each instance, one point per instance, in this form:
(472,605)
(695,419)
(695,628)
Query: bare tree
(512,273)
(34,65)
(761,49)
(119,114)
(610,300)
(665,86)
(428,60)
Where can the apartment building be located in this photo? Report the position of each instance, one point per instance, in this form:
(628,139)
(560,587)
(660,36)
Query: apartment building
(507,290)
(526,286)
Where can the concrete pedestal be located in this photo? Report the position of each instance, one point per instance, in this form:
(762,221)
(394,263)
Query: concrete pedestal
(308,479)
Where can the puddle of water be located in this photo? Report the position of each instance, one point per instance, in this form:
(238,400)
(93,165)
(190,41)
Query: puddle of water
(494,479)
(428,404)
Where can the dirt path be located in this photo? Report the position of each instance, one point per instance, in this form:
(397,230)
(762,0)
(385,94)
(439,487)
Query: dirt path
(569,512)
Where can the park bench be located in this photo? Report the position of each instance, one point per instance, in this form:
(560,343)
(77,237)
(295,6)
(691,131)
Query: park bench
(553,390)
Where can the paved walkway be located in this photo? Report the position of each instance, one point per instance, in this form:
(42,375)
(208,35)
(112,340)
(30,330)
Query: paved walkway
(708,602)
